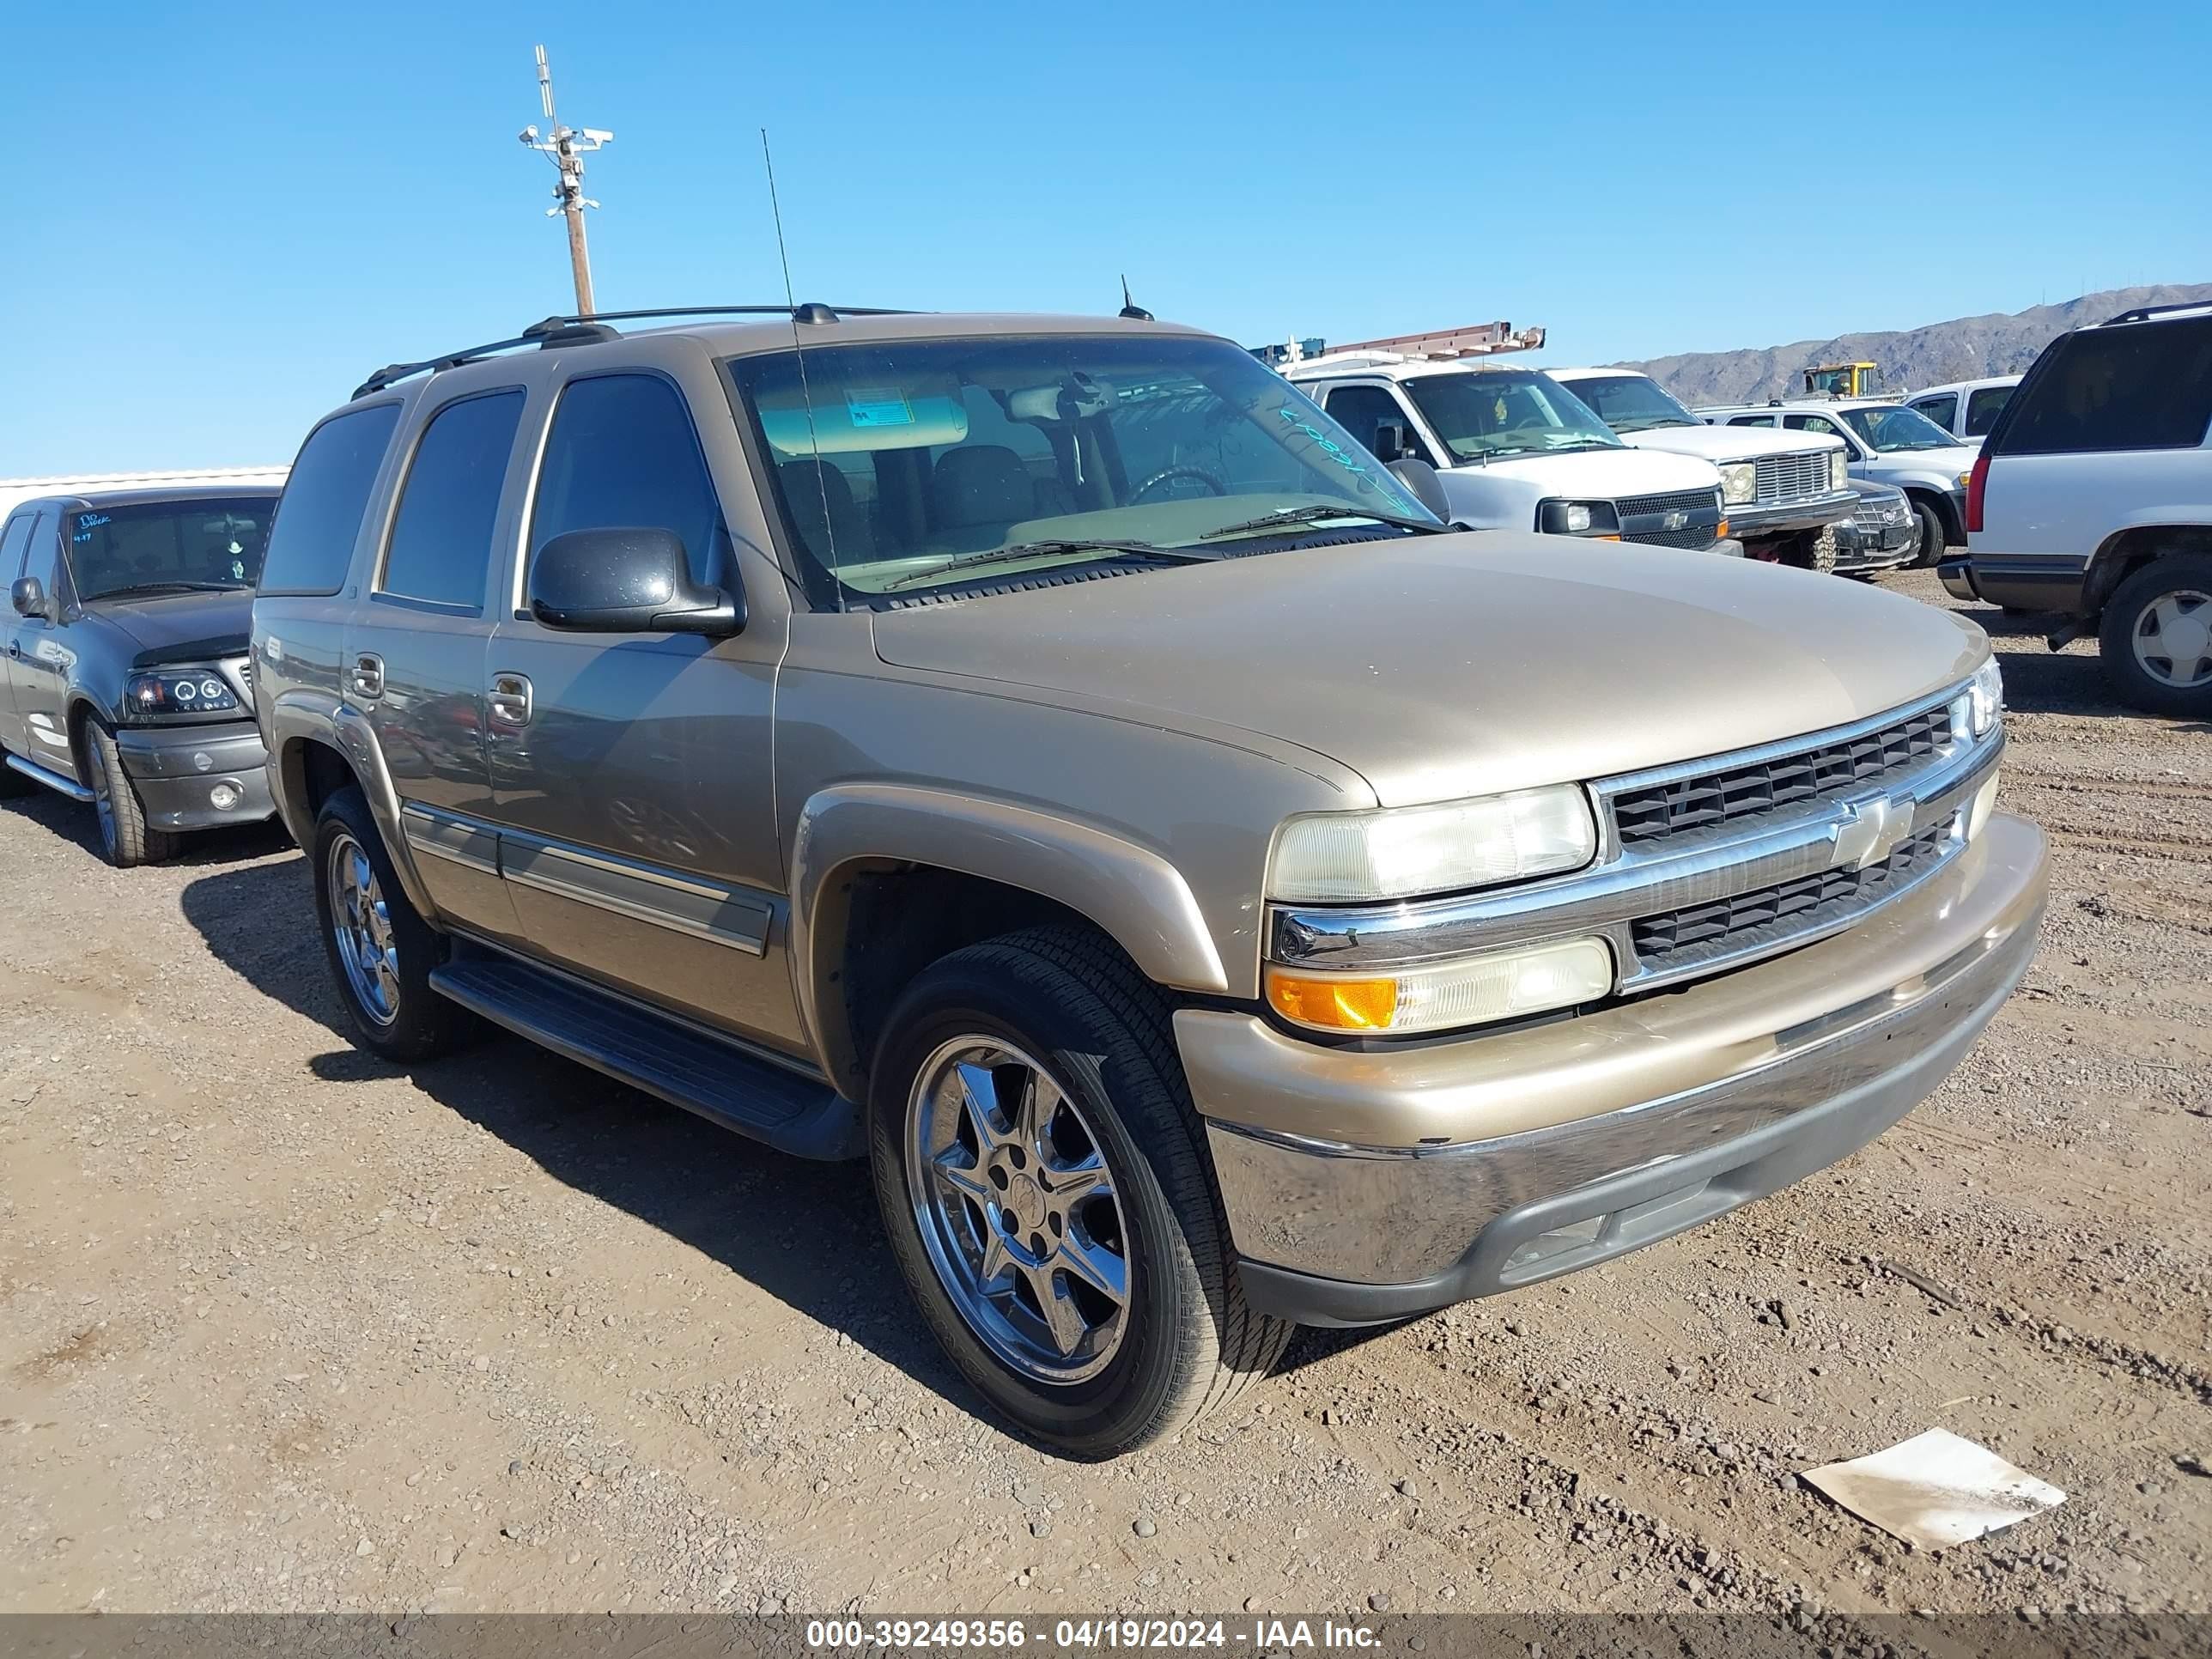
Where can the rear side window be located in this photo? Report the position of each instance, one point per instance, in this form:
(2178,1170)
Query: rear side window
(440,545)
(2146,385)
(13,540)
(623,455)
(1983,407)
(311,544)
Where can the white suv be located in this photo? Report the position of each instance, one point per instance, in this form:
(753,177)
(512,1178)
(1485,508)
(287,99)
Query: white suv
(2093,496)
(1516,450)
(1966,409)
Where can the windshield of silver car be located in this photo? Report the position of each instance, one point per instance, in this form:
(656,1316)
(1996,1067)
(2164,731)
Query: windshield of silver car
(1494,412)
(1630,403)
(911,465)
(1892,429)
(176,547)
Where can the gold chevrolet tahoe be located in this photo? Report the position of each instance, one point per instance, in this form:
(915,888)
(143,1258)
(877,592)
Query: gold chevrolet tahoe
(1050,758)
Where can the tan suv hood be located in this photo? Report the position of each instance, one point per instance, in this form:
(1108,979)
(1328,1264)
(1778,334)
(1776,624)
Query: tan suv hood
(1441,666)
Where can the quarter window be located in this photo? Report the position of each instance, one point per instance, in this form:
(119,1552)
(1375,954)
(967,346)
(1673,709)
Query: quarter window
(318,515)
(440,545)
(1751,420)
(623,454)
(2143,386)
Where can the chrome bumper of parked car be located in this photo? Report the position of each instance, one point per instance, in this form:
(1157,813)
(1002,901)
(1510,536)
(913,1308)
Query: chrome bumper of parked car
(198,777)
(1754,521)
(1530,1152)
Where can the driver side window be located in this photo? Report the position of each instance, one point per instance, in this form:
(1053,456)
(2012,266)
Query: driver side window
(1363,410)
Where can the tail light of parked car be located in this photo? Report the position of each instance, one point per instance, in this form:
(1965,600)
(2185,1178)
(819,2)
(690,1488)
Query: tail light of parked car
(1978,481)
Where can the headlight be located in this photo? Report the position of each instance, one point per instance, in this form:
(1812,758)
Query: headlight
(1341,858)
(1976,711)
(1438,996)
(1839,470)
(168,691)
(1740,481)
(1577,518)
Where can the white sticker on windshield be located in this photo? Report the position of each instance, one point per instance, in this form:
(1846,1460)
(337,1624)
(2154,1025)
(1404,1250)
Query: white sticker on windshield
(878,406)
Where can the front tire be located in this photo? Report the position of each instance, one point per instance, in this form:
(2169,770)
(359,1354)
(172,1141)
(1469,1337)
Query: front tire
(1045,1187)
(124,835)
(2156,636)
(1933,541)
(381,951)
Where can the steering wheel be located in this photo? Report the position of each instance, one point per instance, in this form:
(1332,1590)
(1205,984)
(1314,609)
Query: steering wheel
(1168,474)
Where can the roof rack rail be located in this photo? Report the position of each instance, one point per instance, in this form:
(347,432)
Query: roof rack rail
(585,328)
(2142,312)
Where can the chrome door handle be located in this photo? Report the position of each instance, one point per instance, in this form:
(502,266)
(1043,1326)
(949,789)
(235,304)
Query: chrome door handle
(368,676)
(508,700)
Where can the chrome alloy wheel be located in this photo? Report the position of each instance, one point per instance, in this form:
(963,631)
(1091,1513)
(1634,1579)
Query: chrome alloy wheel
(361,921)
(2173,639)
(1016,1209)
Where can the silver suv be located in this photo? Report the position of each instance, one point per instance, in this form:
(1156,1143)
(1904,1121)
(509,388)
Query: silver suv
(1048,757)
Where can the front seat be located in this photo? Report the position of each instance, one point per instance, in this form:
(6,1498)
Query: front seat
(980,486)
(813,489)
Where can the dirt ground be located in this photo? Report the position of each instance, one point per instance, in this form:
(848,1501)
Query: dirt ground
(289,1328)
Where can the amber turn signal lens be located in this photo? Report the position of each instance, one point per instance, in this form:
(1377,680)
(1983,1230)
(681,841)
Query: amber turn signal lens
(1334,1004)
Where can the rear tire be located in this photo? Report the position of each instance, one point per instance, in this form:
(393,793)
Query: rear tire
(2154,636)
(994,1267)
(381,952)
(1932,540)
(125,835)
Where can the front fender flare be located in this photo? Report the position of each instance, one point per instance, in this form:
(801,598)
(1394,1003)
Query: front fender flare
(1134,895)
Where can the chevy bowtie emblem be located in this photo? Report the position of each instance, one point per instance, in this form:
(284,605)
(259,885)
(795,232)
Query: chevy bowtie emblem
(1871,831)
(1676,519)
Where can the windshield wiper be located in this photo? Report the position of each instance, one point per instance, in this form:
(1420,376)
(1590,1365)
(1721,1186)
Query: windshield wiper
(174,587)
(1045,550)
(1292,517)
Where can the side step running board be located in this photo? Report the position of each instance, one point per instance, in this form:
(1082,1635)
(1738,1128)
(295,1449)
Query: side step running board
(53,780)
(663,1057)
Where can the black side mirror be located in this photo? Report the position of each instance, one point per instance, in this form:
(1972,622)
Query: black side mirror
(1428,488)
(627,581)
(1390,443)
(28,595)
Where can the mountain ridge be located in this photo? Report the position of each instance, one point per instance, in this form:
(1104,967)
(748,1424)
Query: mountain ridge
(1962,348)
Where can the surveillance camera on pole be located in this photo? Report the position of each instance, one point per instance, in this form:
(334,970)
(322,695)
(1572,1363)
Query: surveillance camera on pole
(566,147)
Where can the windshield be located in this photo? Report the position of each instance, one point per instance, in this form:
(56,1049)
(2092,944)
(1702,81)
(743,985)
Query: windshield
(901,467)
(1629,403)
(1892,429)
(180,545)
(1507,411)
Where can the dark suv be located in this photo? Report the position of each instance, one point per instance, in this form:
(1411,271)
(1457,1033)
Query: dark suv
(126,683)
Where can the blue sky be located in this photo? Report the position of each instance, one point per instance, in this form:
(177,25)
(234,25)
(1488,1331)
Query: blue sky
(223,216)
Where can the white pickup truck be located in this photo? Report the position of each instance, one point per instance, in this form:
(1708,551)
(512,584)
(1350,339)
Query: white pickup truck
(1785,493)
(1516,450)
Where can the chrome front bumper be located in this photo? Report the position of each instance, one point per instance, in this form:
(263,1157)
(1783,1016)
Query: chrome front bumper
(1466,1168)
(1754,521)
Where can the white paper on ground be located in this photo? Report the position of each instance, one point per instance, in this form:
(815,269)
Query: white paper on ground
(1936,1490)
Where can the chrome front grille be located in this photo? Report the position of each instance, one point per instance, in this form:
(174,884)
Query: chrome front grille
(1675,940)
(1686,500)
(239,672)
(1702,799)
(1783,478)
(1710,864)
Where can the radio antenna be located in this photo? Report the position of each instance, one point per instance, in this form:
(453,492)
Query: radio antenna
(799,353)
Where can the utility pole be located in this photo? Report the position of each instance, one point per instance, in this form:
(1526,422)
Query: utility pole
(566,147)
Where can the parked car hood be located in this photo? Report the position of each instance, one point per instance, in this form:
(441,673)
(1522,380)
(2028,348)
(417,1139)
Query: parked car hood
(179,627)
(1728,443)
(1594,473)
(1945,463)
(1439,666)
